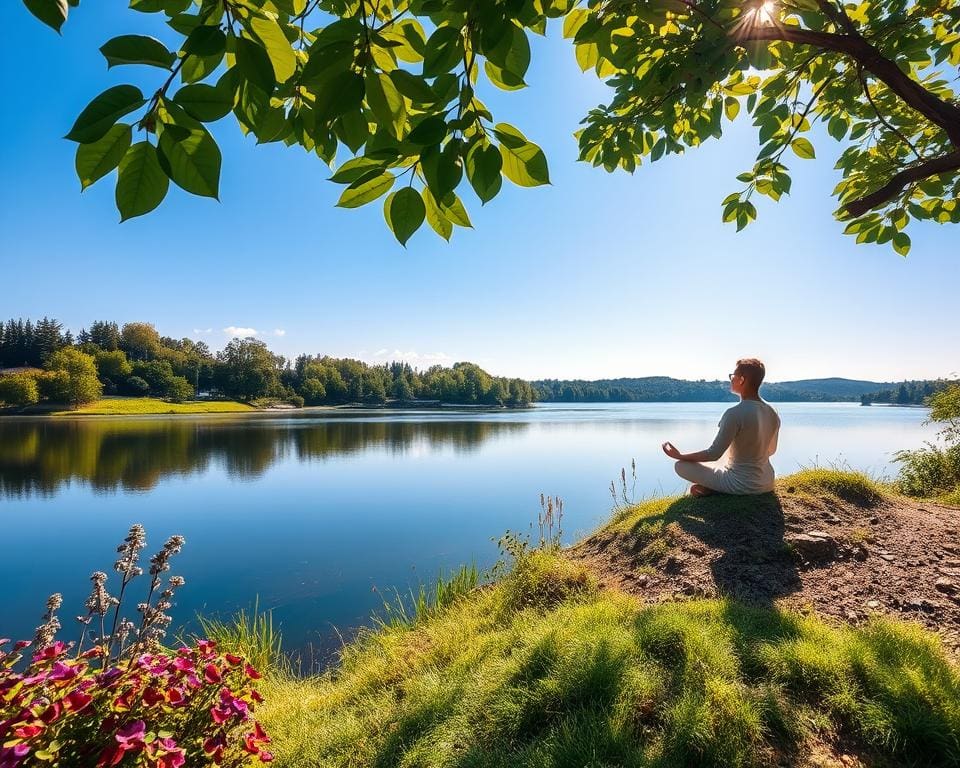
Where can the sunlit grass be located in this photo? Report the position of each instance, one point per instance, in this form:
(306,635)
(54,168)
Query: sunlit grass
(123,406)
(544,669)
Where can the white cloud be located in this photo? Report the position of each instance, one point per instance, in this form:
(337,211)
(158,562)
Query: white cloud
(234,331)
(202,331)
(279,332)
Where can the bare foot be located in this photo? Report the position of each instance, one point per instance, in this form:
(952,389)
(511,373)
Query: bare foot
(700,490)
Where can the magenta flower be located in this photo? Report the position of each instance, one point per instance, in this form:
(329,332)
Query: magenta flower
(11,757)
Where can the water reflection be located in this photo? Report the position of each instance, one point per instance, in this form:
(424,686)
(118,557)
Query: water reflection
(41,456)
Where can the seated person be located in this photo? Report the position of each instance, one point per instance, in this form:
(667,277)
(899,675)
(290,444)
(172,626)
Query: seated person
(749,429)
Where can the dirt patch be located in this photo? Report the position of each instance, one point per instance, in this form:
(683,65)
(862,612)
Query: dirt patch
(845,558)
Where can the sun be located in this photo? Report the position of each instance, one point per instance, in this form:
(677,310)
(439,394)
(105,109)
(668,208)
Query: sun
(765,12)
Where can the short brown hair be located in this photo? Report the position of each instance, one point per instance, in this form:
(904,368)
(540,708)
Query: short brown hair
(752,370)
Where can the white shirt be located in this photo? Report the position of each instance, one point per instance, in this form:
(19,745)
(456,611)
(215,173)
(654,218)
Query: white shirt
(748,435)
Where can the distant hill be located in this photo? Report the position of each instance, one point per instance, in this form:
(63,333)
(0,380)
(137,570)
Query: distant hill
(666,389)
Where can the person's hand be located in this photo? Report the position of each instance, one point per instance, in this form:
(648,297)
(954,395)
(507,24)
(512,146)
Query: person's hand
(671,451)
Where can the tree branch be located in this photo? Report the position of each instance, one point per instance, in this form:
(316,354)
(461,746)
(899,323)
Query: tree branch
(942,113)
(934,167)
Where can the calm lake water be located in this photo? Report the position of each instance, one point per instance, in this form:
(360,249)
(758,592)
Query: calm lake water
(310,512)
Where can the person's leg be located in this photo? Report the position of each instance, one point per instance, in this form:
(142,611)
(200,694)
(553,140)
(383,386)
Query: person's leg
(706,480)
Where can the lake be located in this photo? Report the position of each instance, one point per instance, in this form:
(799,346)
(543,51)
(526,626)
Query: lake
(316,514)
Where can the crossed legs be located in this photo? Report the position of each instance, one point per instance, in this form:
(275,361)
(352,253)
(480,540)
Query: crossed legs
(705,480)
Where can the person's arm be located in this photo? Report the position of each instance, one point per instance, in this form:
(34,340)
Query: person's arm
(729,427)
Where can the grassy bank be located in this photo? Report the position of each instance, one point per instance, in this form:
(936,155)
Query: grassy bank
(545,668)
(143,406)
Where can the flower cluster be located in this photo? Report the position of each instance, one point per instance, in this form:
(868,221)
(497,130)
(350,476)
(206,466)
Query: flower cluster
(128,700)
(192,706)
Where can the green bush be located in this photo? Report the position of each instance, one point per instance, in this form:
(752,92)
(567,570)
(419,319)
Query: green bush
(136,386)
(179,389)
(931,471)
(19,389)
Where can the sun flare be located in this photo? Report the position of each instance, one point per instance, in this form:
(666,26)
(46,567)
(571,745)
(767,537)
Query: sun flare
(765,12)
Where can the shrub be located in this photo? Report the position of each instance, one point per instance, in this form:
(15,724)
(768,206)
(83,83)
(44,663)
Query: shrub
(313,391)
(179,389)
(136,386)
(930,471)
(19,389)
(81,384)
(295,400)
(127,699)
(112,365)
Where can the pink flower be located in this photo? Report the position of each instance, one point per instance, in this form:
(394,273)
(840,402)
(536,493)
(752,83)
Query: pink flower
(11,757)
(77,700)
(131,735)
(183,664)
(266,757)
(51,713)
(52,651)
(61,671)
(27,731)
(252,673)
(211,673)
(206,647)
(214,747)
(152,696)
(220,714)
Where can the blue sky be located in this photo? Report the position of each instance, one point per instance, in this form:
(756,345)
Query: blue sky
(597,275)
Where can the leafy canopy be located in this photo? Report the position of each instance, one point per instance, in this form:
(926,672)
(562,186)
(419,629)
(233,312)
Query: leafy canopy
(388,93)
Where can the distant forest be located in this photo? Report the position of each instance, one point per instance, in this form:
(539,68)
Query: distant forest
(134,359)
(665,389)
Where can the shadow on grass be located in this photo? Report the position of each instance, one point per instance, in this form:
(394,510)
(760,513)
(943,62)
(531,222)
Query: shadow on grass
(744,537)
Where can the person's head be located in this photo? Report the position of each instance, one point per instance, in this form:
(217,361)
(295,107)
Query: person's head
(747,376)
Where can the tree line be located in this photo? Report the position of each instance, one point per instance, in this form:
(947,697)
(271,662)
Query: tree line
(907,393)
(49,364)
(653,389)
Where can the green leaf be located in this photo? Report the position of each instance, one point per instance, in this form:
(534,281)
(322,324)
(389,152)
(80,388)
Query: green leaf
(205,102)
(192,161)
(255,65)
(484,163)
(901,243)
(802,148)
(435,218)
(731,107)
(205,40)
(428,132)
(137,49)
(386,102)
(278,48)
(504,80)
(837,127)
(141,184)
(339,95)
(511,52)
(452,207)
(366,189)
(444,49)
(100,114)
(96,160)
(413,87)
(51,12)
(523,161)
(404,211)
(354,168)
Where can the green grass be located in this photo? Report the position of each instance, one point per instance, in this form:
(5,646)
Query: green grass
(544,669)
(847,485)
(140,406)
(251,635)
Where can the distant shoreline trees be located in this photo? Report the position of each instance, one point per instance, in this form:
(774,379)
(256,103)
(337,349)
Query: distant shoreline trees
(135,360)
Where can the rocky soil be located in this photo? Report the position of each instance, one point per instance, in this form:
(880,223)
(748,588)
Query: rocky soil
(847,558)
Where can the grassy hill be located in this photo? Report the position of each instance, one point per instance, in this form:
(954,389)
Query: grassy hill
(557,664)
